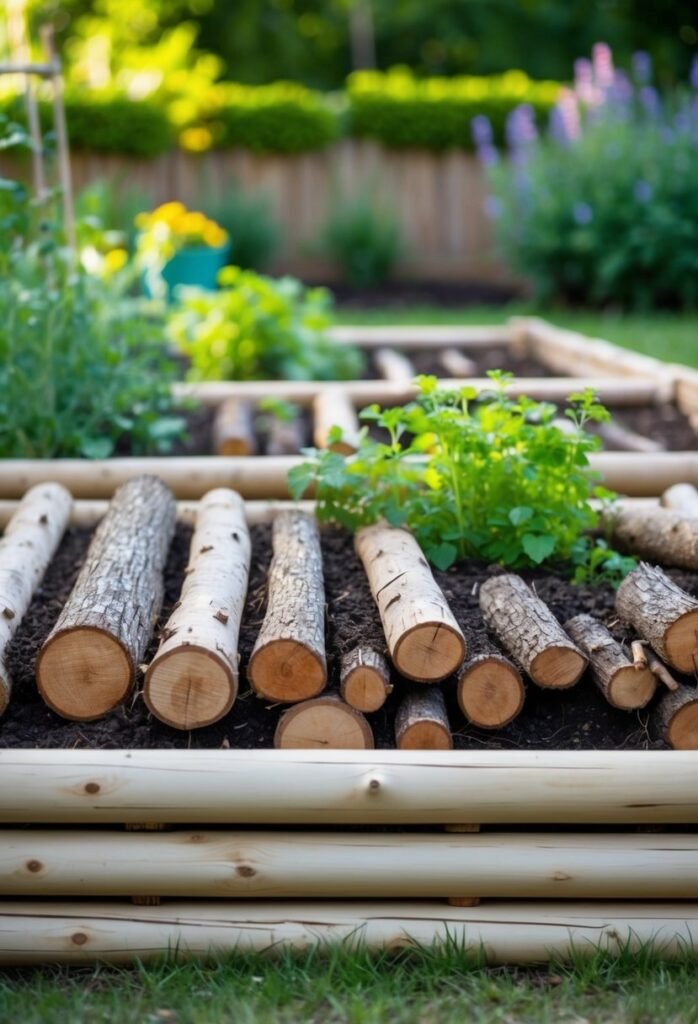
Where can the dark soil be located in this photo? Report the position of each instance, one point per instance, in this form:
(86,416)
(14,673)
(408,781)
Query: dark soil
(572,719)
(408,294)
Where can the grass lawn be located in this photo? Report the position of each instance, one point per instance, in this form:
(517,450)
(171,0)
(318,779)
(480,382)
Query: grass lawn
(424,988)
(673,337)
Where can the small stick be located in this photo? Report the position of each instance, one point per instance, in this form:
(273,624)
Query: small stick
(639,654)
(659,669)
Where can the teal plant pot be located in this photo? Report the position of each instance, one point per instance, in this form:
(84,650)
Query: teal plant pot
(197,267)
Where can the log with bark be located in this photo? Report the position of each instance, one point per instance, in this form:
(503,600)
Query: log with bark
(658,534)
(457,364)
(193,679)
(233,431)
(530,632)
(326,722)
(676,716)
(333,410)
(393,366)
(87,666)
(28,545)
(288,662)
(285,436)
(623,685)
(365,679)
(681,498)
(661,613)
(490,690)
(424,640)
(421,722)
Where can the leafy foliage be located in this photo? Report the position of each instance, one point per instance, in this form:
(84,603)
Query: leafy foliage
(283,117)
(254,233)
(257,327)
(363,238)
(484,476)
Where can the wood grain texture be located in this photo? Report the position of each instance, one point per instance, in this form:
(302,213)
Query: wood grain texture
(677,718)
(660,535)
(623,685)
(365,679)
(490,690)
(421,722)
(662,613)
(326,722)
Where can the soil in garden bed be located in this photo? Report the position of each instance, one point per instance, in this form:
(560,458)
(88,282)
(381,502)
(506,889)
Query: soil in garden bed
(578,718)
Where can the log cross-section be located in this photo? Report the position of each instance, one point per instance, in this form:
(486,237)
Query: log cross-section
(288,662)
(365,679)
(622,684)
(490,690)
(530,632)
(193,679)
(30,541)
(425,641)
(88,664)
(421,722)
(325,722)
(677,718)
(662,613)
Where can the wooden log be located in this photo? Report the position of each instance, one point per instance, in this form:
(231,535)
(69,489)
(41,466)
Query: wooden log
(421,722)
(87,666)
(288,662)
(490,690)
(457,364)
(662,613)
(615,435)
(285,437)
(658,534)
(393,787)
(416,336)
(365,679)
(193,679)
(233,432)
(36,932)
(681,498)
(326,722)
(424,640)
(659,670)
(639,655)
(676,716)
(393,366)
(333,410)
(623,684)
(637,475)
(530,632)
(28,545)
(221,864)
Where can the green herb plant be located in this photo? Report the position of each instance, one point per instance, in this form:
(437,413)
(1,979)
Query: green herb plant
(473,476)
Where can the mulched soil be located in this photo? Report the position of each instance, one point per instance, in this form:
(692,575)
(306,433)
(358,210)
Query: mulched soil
(578,718)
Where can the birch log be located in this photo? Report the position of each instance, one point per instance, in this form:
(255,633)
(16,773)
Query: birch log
(677,718)
(425,641)
(681,498)
(365,679)
(28,545)
(193,679)
(332,409)
(88,664)
(393,366)
(623,685)
(658,534)
(662,613)
(490,690)
(288,662)
(326,722)
(530,632)
(421,722)
(457,364)
(233,432)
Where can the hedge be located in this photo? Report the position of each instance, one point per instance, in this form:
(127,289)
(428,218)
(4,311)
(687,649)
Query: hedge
(280,118)
(435,113)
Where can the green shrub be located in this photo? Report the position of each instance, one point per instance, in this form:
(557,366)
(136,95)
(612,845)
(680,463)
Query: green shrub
(280,118)
(363,239)
(435,113)
(491,478)
(256,327)
(253,231)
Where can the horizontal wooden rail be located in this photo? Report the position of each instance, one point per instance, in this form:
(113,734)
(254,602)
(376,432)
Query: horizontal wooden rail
(260,477)
(418,336)
(34,932)
(307,865)
(87,512)
(613,391)
(268,787)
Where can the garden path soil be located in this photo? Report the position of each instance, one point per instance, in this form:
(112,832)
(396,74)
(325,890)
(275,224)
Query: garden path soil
(572,719)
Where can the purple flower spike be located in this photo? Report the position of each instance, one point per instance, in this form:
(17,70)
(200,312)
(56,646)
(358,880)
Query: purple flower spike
(602,60)
(694,73)
(642,67)
(621,92)
(584,81)
(521,128)
(481,127)
(582,213)
(649,98)
(564,118)
(488,154)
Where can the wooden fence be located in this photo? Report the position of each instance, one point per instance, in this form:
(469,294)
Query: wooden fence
(438,199)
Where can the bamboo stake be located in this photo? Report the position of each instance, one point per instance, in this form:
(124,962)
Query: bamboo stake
(17,37)
(38,932)
(394,366)
(334,865)
(61,130)
(681,498)
(193,679)
(327,787)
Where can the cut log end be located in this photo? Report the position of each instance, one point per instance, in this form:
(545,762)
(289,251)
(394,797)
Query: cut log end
(490,692)
(682,730)
(557,667)
(364,688)
(429,652)
(287,671)
(631,688)
(189,688)
(422,722)
(425,736)
(83,673)
(681,642)
(326,723)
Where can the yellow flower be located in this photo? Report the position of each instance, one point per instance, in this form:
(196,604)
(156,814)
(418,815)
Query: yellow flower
(115,260)
(214,236)
(169,212)
(196,139)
